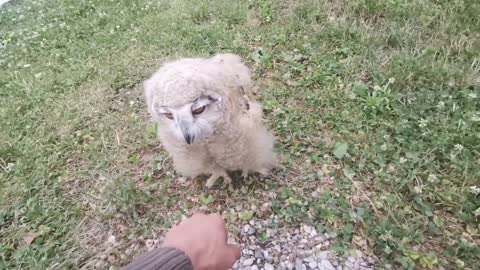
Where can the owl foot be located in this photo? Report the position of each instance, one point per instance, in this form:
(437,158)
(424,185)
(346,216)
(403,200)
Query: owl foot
(211,181)
(244,174)
(264,171)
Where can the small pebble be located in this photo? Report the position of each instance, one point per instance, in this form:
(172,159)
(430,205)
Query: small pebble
(358,253)
(269,233)
(259,255)
(323,254)
(267,256)
(325,265)
(99,264)
(268,266)
(320,238)
(298,264)
(248,262)
(307,229)
(309,259)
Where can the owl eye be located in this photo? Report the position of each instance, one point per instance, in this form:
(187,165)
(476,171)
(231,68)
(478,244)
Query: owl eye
(198,110)
(168,115)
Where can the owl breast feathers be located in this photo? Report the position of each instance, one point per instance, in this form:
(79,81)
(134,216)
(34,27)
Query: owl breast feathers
(208,119)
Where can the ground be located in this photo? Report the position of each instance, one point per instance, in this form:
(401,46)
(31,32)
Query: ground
(375,106)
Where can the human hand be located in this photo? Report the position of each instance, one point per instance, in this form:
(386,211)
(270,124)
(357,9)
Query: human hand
(204,239)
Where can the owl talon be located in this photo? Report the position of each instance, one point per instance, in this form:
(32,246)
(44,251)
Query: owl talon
(263,172)
(227,180)
(211,181)
(245,174)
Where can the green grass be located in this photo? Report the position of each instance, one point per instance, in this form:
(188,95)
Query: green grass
(375,104)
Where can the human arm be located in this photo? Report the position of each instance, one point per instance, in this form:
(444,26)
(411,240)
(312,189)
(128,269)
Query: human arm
(161,259)
(197,243)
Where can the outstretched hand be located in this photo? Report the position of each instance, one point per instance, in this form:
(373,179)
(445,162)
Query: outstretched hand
(204,239)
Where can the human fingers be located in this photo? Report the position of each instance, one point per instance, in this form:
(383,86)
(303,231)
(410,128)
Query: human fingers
(217,219)
(231,254)
(192,219)
(220,225)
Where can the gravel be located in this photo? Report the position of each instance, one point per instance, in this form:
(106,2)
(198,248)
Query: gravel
(268,246)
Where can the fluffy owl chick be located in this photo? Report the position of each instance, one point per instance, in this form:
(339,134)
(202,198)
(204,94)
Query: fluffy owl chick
(208,119)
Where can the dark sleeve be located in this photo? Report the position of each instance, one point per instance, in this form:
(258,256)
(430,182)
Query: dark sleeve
(161,259)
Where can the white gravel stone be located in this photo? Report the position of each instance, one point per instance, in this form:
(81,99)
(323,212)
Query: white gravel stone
(248,262)
(298,264)
(267,256)
(307,229)
(298,247)
(308,259)
(268,266)
(358,253)
(325,265)
(259,255)
(323,254)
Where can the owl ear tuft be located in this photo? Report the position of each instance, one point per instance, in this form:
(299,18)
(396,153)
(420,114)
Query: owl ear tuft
(148,92)
(154,111)
(217,100)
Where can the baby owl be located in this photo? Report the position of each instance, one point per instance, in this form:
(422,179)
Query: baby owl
(208,119)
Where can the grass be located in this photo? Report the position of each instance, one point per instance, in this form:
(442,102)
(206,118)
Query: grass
(375,104)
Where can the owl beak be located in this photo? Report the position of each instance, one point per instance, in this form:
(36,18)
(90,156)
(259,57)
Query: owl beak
(188,138)
(186,134)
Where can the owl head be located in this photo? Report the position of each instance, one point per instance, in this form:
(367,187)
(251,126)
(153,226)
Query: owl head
(190,122)
(185,98)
